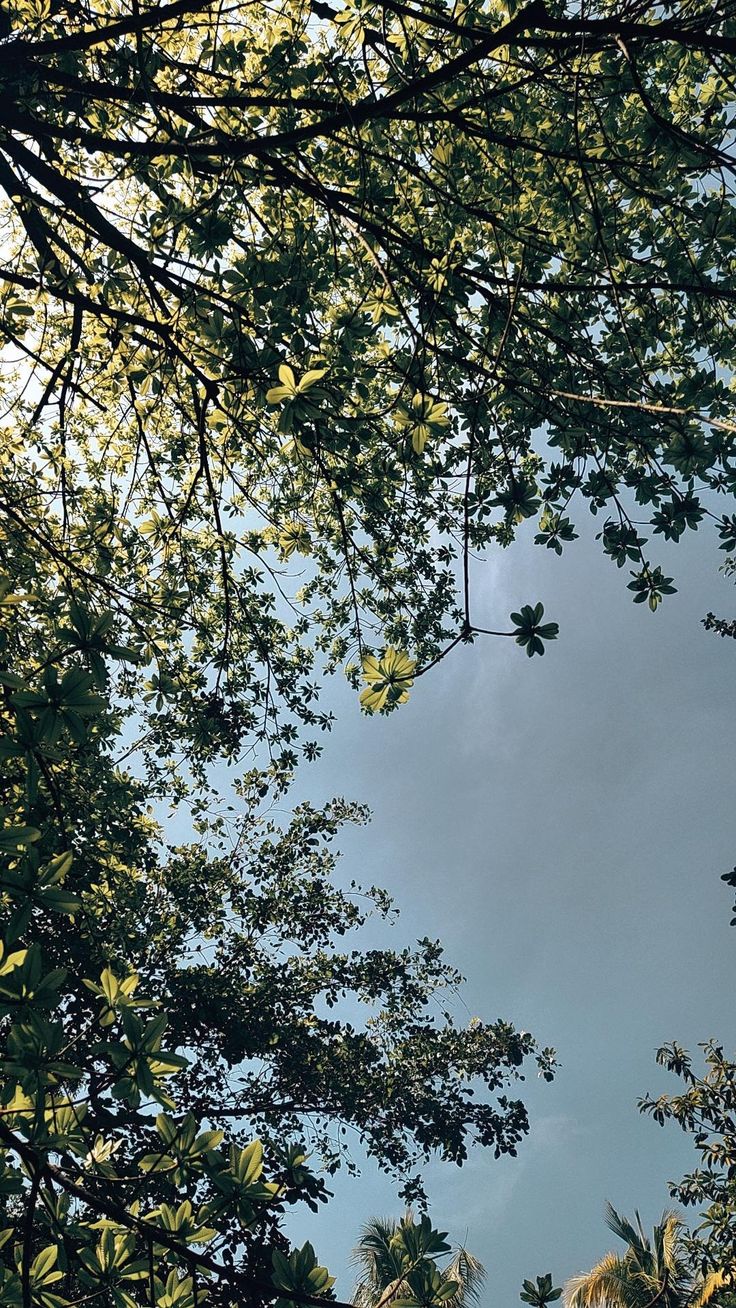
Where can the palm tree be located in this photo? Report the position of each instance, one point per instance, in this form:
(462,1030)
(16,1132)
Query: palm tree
(649,1273)
(391,1255)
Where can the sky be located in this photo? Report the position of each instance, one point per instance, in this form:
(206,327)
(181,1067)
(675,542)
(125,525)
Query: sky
(561,824)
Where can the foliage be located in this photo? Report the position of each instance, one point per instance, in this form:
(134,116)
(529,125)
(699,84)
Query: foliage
(730,880)
(161,1003)
(397,1263)
(389,680)
(650,1271)
(704,1110)
(111,1190)
(301,309)
(530,631)
(542,1293)
(320,302)
(724,626)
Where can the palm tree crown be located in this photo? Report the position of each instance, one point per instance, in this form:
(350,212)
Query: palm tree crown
(396,1261)
(649,1273)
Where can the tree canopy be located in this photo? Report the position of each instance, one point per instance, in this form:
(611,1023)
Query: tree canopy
(162,1002)
(301,308)
(704,1109)
(359,289)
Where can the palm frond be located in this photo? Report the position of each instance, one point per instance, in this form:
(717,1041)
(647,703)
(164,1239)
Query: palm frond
(607,1285)
(648,1273)
(375,1235)
(364,1295)
(373,1257)
(709,1287)
(670,1227)
(470,1275)
(633,1236)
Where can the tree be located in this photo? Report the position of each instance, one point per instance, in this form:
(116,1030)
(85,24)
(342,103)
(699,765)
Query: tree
(187,1008)
(723,626)
(298,297)
(704,1110)
(397,1262)
(655,1271)
(368,286)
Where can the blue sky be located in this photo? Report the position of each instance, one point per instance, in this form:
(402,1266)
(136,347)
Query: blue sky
(561,824)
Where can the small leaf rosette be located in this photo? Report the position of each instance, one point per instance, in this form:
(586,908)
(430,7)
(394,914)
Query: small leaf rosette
(389,679)
(425,417)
